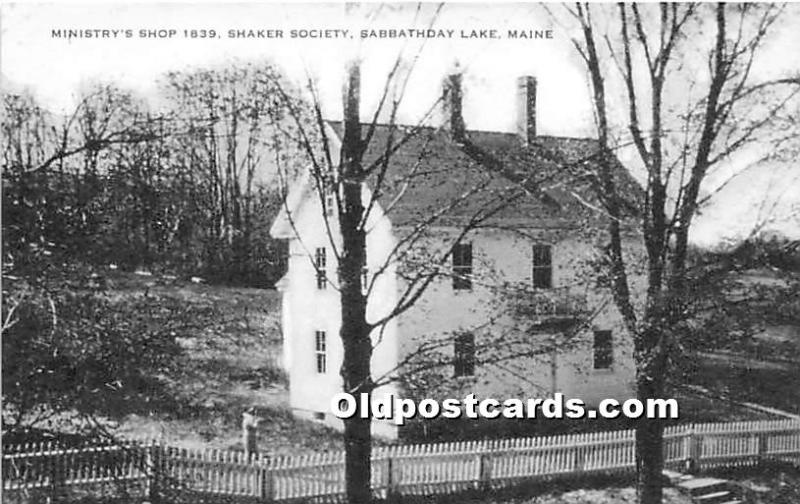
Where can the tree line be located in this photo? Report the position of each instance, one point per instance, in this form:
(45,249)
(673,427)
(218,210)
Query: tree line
(180,183)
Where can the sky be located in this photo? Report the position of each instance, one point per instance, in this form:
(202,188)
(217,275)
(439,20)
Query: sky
(54,68)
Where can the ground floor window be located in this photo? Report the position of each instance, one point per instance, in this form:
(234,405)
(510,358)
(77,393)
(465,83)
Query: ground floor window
(603,350)
(464,355)
(320,264)
(321,352)
(462,266)
(542,269)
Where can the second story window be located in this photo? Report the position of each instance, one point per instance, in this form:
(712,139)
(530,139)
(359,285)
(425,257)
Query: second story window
(364,280)
(542,266)
(364,274)
(320,352)
(330,205)
(464,355)
(603,350)
(327,186)
(330,200)
(462,266)
(320,263)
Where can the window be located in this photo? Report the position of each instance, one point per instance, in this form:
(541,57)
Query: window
(330,201)
(364,274)
(328,190)
(464,355)
(320,262)
(462,266)
(542,267)
(603,350)
(320,352)
(364,280)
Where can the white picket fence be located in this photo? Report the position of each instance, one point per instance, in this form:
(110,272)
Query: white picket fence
(398,470)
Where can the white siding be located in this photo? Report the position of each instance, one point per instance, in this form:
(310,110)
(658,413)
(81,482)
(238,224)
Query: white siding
(498,256)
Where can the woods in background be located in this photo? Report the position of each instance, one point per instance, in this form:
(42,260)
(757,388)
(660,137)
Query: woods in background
(181,184)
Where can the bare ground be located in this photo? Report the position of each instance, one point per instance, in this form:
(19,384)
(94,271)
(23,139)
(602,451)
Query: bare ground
(604,496)
(230,366)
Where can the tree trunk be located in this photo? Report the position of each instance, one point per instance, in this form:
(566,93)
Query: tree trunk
(355,370)
(354,330)
(358,448)
(649,449)
(650,371)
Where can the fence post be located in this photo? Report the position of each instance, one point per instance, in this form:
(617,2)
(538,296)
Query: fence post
(266,480)
(763,446)
(154,459)
(485,471)
(391,483)
(692,450)
(55,479)
(579,462)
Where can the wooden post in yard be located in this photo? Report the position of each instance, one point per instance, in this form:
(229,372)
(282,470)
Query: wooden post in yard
(250,422)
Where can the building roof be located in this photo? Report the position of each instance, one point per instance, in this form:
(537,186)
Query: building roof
(546,183)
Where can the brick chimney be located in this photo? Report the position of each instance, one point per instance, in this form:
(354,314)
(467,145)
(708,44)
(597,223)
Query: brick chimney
(526,108)
(451,106)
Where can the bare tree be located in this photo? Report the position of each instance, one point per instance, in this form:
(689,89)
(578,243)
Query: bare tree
(685,74)
(224,120)
(55,168)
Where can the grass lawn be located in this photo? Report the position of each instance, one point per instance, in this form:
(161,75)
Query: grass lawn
(766,372)
(774,484)
(597,490)
(778,485)
(230,366)
(234,364)
(764,368)
(699,408)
